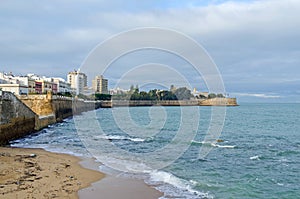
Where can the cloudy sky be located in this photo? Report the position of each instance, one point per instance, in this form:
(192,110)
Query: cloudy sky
(255,44)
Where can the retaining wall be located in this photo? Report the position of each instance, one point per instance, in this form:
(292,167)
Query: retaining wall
(207,102)
(219,102)
(116,103)
(17,119)
(25,114)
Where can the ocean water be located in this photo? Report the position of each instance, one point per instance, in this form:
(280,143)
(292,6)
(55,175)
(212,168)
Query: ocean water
(257,156)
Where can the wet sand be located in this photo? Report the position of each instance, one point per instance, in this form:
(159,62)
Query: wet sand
(36,173)
(120,188)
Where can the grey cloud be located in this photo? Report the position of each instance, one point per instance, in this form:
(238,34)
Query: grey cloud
(251,42)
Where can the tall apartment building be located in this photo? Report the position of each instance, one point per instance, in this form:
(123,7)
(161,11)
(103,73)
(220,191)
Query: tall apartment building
(78,81)
(100,85)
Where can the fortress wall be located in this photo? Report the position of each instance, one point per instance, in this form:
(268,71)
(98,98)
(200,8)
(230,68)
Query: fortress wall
(219,102)
(17,119)
(23,115)
(117,103)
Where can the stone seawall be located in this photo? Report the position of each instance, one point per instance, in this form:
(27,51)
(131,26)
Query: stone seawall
(207,102)
(51,109)
(17,119)
(120,103)
(219,102)
(23,115)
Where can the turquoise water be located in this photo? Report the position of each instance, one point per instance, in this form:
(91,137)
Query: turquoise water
(258,158)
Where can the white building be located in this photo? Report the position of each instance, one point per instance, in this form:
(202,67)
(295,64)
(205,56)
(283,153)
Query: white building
(10,83)
(3,81)
(16,89)
(8,78)
(29,82)
(62,85)
(78,81)
(100,85)
(33,84)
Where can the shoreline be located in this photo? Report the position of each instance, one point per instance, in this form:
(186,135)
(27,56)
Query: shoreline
(37,173)
(115,186)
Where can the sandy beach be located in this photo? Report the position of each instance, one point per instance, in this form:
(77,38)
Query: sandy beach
(36,173)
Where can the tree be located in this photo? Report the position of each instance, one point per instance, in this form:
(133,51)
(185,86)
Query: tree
(220,95)
(144,95)
(183,93)
(166,95)
(211,96)
(153,94)
(201,96)
(135,96)
(99,96)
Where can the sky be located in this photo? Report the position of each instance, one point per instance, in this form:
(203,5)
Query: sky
(254,44)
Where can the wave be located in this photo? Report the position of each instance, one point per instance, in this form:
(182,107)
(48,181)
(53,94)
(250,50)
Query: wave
(174,187)
(223,146)
(118,137)
(213,144)
(167,183)
(170,185)
(200,142)
(256,157)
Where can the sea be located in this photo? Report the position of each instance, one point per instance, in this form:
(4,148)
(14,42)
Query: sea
(255,151)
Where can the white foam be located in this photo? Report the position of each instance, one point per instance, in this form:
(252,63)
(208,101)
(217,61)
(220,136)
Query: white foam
(162,176)
(118,137)
(213,144)
(280,184)
(137,139)
(174,186)
(223,146)
(200,142)
(165,182)
(256,157)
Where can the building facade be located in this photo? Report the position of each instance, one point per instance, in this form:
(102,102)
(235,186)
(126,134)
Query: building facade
(62,85)
(29,82)
(13,84)
(100,85)
(78,81)
(16,89)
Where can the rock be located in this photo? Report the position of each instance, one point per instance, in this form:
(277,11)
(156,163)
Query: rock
(32,155)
